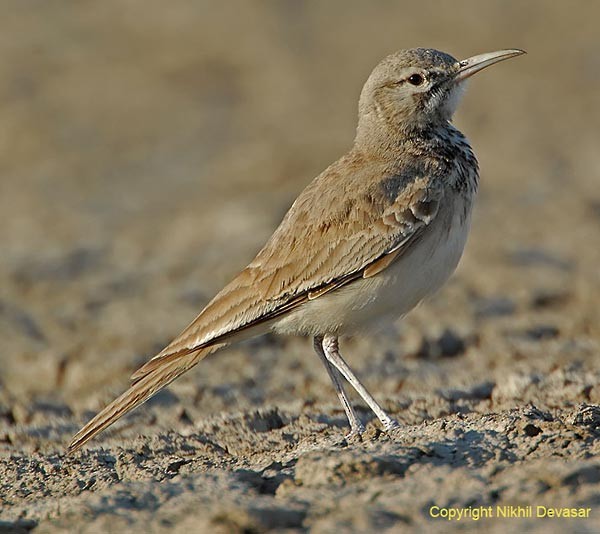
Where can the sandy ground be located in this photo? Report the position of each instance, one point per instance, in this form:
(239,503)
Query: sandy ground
(147,150)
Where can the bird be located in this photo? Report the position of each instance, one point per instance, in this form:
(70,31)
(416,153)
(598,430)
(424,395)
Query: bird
(378,231)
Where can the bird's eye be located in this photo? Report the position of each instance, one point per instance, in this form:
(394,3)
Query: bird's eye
(416,79)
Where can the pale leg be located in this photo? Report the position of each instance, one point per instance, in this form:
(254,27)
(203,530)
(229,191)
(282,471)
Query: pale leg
(331,350)
(356,427)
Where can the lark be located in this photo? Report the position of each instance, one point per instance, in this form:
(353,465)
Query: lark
(378,231)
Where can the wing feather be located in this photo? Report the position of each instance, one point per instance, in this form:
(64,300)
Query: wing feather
(328,239)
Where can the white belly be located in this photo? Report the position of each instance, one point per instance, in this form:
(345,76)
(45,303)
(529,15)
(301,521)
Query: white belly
(392,293)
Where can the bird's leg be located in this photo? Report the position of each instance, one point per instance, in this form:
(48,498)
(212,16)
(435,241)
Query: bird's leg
(332,353)
(356,427)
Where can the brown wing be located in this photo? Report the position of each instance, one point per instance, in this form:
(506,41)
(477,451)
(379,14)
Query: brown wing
(329,237)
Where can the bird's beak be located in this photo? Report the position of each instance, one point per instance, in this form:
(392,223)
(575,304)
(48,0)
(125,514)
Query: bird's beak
(468,67)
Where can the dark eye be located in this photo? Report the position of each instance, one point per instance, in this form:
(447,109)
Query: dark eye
(416,79)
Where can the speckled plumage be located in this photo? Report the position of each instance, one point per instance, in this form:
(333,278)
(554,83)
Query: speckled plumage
(379,230)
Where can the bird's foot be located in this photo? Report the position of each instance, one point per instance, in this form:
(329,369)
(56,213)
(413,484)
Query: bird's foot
(390,424)
(356,432)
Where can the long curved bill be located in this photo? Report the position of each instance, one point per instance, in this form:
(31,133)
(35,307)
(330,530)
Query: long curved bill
(468,67)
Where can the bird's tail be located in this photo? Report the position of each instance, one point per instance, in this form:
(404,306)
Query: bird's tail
(147,384)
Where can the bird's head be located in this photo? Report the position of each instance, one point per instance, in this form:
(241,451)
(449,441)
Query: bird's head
(414,89)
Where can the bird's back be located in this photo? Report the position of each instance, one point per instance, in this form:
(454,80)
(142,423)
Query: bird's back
(344,220)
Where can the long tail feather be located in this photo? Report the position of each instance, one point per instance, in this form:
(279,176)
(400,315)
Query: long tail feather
(140,391)
(157,362)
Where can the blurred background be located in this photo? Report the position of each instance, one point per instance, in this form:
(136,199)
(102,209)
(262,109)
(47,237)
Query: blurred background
(148,149)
